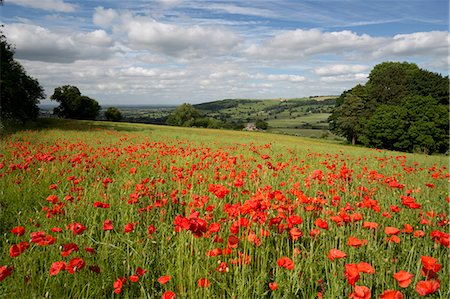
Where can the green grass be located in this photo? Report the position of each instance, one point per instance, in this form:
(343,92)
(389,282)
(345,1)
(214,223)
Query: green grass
(174,171)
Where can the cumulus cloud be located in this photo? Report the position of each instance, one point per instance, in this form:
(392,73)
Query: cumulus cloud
(301,43)
(104,17)
(50,5)
(285,77)
(34,42)
(178,41)
(418,43)
(339,69)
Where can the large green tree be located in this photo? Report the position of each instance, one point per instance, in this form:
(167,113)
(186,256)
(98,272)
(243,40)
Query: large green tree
(20,94)
(184,115)
(74,105)
(113,114)
(401,107)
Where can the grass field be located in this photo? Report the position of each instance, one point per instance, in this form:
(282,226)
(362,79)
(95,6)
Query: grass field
(98,209)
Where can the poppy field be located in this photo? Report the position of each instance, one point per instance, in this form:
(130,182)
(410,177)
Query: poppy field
(91,210)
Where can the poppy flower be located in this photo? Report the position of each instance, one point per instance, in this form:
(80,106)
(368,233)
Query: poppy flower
(403,278)
(407,228)
(321,223)
(139,271)
(164,279)
(351,273)
(391,230)
(69,248)
(391,294)
(360,292)
(273,286)
(17,249)
(295,233)
(134,278)
(118,284)
(107,225)
(286,263)
(128,228)
(168,295)
(75,264)
(203,283)
(427,287)
(394,239)
(5,271)
(76,228)
(336,254)
(233,241)
(370,225)
(355,242)
(365,268)
(18,230)
(430,266)
(223,267)
(57,267)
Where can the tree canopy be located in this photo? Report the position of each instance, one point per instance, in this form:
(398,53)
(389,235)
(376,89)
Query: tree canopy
(74,105)
(184,115)
(401,107)
(113,114)
(20,94)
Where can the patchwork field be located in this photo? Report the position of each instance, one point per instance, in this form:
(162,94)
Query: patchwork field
(97,209)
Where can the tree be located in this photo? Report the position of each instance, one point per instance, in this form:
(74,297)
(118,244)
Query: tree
(261,124)
(19,93)
(73,105)
(184,115)
(113,114)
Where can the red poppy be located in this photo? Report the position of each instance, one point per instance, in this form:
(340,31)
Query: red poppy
(391,294)
(203,283)
(107,225)
(129,227)
(76,228)
(351,273)
(295,233)
(427,287)
(57,267)
(168,295)
(17,249)
(18,230)
(118,284)
(273,286)
(430,266)
(139,271)
(394,239)
(365,268)
(407,228)
(403,278)
(69,248)
(336,254)
(5,271)
(75,264)
(370,225)
(233,241)
(321,223)
(360,292)
(286,263)
(355,242)
(391,230)
(134,278)
(164,279)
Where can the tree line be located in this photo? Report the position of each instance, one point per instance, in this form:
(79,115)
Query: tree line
(401,107)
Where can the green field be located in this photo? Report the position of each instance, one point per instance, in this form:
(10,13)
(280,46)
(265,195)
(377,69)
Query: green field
(102,210)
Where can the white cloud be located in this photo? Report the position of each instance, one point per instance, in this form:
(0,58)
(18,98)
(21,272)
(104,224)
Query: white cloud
(37,43)
(284,77)
(356,78)
(178,41)
(418,43)
(303,43)
(339,69)
(50,5)
(104,17)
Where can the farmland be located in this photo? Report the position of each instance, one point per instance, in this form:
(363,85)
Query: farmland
(98,209)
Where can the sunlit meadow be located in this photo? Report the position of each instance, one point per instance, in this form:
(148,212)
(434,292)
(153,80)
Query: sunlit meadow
(94,210)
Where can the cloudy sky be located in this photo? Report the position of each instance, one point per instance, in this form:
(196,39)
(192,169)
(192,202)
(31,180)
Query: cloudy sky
(175,51)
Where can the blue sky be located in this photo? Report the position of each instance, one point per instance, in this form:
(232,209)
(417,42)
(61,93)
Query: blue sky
(175,51)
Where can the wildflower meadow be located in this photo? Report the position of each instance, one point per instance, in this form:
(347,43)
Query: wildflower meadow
(103,210)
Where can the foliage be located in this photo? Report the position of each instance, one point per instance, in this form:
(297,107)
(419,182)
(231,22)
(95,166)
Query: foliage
(184,115)
(113,114)
(74,105)
(401,107)
(261,124)
(19,93)
(115,210)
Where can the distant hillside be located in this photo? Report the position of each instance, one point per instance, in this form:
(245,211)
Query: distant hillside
(297,116)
